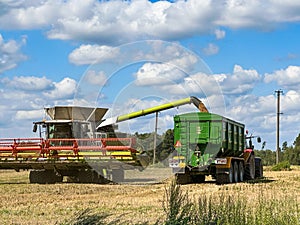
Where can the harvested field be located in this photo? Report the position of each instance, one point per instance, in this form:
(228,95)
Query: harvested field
(24,203)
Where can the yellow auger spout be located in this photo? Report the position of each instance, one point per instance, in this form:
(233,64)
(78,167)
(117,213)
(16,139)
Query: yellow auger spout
(197,102)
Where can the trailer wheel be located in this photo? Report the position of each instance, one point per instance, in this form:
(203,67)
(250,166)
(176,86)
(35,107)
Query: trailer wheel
(241,171)
(235,172)
(250,168)
(225,177)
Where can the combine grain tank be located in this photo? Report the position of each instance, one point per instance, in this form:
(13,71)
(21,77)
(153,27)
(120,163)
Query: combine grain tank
(210,144)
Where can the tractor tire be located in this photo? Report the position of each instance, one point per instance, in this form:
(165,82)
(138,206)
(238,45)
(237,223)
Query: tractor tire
(241,171)
(250,169)
(258,168)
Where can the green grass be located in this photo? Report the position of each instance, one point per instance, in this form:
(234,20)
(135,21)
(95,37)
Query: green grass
(225,208)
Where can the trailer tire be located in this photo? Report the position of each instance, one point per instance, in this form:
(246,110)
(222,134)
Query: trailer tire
(241,171)
(222,179)
(225,177)
(235,172)
(250,168)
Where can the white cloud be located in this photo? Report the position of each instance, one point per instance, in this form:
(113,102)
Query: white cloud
(10,53)
(29,114)
(286,78)
(157,74)
(258,113)
(90,54)
(220,34)
(28,83)
(62,90)
(241,81)
(211,49)
(111,22)
(96,78)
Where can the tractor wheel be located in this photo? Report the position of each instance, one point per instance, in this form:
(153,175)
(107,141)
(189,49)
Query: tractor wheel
(258,168)
(250,169)
(241,171)
(235,172)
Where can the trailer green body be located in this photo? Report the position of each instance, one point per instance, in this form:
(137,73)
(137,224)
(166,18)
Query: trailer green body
(209,144)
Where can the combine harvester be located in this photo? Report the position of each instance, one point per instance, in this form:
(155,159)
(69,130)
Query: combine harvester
(68,145)
(78,143)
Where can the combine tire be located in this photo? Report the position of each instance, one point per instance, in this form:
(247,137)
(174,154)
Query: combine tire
(85,176)
(250,169)
(183,178)
(44,177)
(198,178)
(118,175)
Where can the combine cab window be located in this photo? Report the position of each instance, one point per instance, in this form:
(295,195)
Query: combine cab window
(60,131)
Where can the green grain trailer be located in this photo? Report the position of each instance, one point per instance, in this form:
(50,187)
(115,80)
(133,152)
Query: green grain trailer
(210,144)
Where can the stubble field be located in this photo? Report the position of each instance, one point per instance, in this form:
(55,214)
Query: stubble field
(24,203)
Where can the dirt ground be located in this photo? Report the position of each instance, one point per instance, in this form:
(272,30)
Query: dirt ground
(138,200)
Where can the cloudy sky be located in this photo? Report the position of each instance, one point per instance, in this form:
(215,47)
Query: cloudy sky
(128,55)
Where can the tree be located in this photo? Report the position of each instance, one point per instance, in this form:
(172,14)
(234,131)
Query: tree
(292,153)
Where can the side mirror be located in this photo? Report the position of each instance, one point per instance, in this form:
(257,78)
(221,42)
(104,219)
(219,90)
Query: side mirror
(34,129)
(259,140)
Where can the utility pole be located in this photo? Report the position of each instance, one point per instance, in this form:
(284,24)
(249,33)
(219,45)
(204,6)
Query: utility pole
(278,93)
(155,136)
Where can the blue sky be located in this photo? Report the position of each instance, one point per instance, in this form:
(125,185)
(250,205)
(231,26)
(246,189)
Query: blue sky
(48,51)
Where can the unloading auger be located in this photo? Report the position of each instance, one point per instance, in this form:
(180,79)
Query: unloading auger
(190,100)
